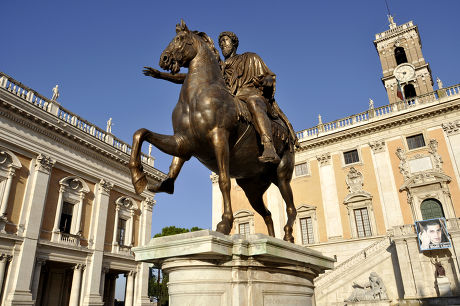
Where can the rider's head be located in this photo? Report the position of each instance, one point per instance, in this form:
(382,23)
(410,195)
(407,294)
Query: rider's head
(228,43)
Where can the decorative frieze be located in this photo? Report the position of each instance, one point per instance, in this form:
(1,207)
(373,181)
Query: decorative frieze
(324,159)
(403,165)
(44,163)
(451,128)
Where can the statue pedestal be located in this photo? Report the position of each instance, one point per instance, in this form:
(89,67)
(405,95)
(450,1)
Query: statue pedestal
(209,268)
(443,284)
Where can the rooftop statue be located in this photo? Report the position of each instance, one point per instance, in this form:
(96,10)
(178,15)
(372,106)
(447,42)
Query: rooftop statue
(228,119)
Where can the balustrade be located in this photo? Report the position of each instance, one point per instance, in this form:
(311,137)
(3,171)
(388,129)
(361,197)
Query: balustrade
(69,239)
(379,112)
(9,84)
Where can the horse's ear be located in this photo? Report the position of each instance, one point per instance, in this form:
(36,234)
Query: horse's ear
(181,27)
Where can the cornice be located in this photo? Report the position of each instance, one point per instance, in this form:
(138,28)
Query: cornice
(64,133)
(395,34)
(380,125)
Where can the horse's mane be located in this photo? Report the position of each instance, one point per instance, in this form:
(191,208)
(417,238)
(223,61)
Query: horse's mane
(208,40)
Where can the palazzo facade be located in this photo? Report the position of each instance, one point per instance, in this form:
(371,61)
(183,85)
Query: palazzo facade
(361,182)
(68,212)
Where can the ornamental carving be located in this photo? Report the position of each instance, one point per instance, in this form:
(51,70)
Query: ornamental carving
(403,166)
(148,203)
(452,127)
(126,203)
(105,186)
(355,182)
(377,146)
(5,158)
(324,159)
(373,290)
(44,163)
(214,178)
(437,160)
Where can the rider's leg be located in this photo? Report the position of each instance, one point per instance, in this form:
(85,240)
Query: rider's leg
(286,121)
(168,184)
(258,109)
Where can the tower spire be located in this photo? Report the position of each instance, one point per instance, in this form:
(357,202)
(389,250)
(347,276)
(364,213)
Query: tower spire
(392,24)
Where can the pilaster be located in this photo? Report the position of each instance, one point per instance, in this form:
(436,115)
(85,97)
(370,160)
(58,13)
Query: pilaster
(99,220)
(330,198)
(22,278)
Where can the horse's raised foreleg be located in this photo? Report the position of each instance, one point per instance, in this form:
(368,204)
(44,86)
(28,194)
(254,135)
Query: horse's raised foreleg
(220,142)
(168,184)
(284,175)
(173,145)
(254,188)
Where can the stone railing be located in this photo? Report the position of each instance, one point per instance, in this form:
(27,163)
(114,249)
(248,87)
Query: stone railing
(374,114)
(394,30)
(69,239)
(30,96)
(374,248)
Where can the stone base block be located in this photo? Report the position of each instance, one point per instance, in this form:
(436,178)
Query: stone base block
(443,284)
(209,268)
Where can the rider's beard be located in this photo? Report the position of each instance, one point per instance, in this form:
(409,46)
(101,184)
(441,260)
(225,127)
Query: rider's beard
(227,51)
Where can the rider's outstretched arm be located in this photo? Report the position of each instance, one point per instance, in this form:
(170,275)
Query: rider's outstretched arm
(174,78)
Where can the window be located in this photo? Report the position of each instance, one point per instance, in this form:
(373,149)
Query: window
(66,217)
(351,157)
(431,209)
(121,231)
(301,169)
(409,91)
(244,228)
(363,226)
(306,227)
(400,55)
(416,141)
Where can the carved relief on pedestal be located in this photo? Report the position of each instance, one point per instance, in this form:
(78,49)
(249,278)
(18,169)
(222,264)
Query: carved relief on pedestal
(324,159)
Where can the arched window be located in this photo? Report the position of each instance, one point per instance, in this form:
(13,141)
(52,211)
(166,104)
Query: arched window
(409,91)
(431,209)
(400,55)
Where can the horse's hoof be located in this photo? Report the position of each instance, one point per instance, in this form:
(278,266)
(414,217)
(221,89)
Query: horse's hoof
(140,184)
(288,238)
(223,227)
(165,186)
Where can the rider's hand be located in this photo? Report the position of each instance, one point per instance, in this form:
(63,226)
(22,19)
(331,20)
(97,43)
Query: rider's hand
(268,81)
(149,71)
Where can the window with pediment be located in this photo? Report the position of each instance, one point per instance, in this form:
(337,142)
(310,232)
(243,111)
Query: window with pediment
(9,163)
(359,206)
(123,231)
(244,222)
(307,228)
(67,222)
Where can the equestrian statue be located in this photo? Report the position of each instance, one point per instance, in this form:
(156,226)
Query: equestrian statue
(228,119)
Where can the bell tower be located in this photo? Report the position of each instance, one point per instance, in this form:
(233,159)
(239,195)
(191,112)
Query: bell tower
(400,53)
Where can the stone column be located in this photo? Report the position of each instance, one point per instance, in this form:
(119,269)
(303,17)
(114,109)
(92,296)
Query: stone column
(99,220)
(33,213)
(114,240)
(330,198)
(401,234)
(76,285)
(103,275)
(55,234)
(80,212)
(452,132)
(36,280)
(129,288)
(3,261)
(275,205)
(113,282)
(6,193)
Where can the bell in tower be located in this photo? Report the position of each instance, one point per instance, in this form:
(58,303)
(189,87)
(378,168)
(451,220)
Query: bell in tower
(403,64)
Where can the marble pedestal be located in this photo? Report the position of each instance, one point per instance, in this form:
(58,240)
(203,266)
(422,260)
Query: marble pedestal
(209,268)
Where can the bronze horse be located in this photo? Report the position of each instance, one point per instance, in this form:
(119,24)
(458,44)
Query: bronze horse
(206,125)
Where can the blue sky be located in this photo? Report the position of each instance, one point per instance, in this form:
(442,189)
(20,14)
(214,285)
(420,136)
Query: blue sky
(321,51)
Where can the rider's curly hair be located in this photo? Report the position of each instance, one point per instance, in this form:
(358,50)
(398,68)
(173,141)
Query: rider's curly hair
(232,36)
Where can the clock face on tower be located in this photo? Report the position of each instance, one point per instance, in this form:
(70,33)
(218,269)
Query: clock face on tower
(404,72)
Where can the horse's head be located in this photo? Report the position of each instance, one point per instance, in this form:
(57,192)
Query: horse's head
(180,51)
